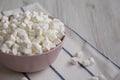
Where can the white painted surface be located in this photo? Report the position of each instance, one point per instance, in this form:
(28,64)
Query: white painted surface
(96,20)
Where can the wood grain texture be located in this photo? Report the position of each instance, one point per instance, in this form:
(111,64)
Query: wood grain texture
(98,21)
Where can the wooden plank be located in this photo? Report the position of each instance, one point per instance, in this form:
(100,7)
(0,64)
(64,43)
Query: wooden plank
(6,74)
(70,72)
(9,12)
(47,74)
(8,5)
(96,20)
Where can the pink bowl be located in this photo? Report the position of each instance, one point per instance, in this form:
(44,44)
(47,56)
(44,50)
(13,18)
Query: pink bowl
(33,63)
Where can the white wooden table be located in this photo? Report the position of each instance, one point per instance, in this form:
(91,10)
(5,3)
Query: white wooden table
(95,20)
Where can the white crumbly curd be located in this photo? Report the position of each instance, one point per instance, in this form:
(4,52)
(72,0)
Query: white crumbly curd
(29,33)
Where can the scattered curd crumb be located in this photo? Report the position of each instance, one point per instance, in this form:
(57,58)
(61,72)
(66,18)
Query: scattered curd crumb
(94,78)
(24,78)
(92,61)
(74,60)
(79,54)
(88,62)
(102,77)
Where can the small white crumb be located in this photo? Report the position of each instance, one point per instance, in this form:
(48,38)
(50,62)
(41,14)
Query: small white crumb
(94,78)
(92,61)
(24,78)
(89,62)
(102,77)
(86,62)
(79,54)
(74,60)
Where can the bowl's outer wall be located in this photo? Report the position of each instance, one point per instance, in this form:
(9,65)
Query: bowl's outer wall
(29,63)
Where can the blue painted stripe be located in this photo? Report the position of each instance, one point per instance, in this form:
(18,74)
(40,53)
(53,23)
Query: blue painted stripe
(62,78)
(2,13)
(78,62)
(25,74)
(22,9)
(93,47)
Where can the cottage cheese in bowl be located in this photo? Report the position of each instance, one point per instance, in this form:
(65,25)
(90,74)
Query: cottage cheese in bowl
(29,33)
